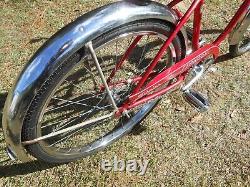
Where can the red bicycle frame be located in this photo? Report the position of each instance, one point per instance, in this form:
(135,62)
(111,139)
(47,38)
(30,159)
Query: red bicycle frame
(180,69)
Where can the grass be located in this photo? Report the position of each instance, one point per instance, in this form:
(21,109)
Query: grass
(184,147)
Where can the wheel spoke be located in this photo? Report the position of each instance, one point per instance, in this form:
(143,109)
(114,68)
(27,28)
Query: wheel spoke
(71,103)
(77,103)
(143,52)
(80,115)
(70,134)
(68,129)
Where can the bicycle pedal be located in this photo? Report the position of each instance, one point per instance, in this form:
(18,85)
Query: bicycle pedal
(196,100)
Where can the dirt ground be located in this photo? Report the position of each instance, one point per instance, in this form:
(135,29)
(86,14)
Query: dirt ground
(183,146)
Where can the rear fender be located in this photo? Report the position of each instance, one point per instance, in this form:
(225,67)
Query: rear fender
(59,47)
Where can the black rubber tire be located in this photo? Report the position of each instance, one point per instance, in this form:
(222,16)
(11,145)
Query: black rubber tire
(29,130)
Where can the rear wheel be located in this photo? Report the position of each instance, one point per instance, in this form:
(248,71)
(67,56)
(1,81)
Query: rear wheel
(73,94)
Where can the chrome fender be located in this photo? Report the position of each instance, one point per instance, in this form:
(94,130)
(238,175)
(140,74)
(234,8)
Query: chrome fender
(64,43)
(237,34)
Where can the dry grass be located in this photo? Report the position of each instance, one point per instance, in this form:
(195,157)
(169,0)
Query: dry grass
(183,146)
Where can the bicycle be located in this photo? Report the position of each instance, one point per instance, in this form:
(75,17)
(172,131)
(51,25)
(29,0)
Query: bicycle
(98,77)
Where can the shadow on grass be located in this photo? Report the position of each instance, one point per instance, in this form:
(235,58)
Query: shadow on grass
(211,31)
(24,168)
(224,58)
(2,101)
(37,39)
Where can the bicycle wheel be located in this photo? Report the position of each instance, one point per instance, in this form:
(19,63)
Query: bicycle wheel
(243,46)
(74,94)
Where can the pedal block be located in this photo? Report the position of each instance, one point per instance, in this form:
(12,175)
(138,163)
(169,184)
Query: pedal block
(196,100)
